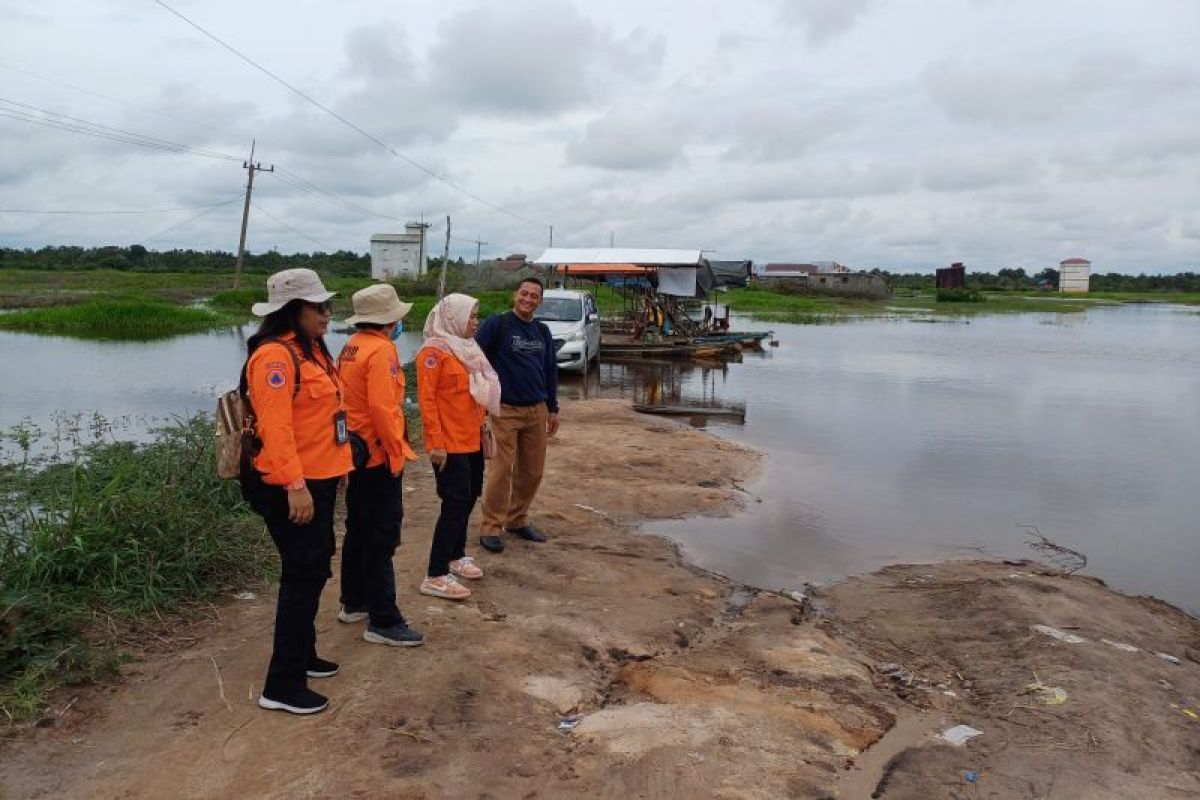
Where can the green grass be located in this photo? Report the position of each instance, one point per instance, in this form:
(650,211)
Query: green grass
(121,532)
(123,318)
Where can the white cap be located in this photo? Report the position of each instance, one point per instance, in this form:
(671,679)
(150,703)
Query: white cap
(288,285)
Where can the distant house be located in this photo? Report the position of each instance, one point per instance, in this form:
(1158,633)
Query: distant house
(952,277)
(823,277)
(1074,275)
(499,273)
(796,269)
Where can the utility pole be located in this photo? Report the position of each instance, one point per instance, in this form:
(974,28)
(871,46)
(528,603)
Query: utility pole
(445,262)
(421,266)
(252,166)
(478,244)
(552,236)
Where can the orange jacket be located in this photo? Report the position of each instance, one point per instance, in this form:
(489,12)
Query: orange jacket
(450,415)
(297,433)
(370,370)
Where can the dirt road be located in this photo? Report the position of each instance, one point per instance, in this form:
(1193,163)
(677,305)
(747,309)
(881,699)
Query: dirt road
(687,686)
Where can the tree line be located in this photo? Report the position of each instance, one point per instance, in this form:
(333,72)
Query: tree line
(1017,279)
(138,258)
(348,263)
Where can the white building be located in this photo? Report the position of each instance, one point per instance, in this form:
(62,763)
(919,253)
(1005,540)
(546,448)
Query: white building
(1074,275)
(399,255)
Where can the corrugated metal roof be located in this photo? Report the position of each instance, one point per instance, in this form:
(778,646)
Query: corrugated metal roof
(620,255)
(601,269)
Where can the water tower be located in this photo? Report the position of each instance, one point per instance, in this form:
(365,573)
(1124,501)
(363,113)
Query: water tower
(1074,275)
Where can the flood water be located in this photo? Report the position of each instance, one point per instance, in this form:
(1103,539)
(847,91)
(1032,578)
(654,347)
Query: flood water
(885,440)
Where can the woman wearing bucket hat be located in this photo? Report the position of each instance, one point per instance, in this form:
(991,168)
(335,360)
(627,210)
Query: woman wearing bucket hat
(456,388)
(296,396)
(374,382)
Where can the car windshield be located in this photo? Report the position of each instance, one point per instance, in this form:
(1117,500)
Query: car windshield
(560,309)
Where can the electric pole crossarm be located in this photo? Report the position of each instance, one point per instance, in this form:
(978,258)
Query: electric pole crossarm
(251,167)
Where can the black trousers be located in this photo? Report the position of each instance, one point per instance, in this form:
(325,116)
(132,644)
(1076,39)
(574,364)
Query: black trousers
(304,552)
(374,513)
(459,484)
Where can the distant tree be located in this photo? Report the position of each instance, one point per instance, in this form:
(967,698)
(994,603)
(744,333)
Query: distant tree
(1050,275)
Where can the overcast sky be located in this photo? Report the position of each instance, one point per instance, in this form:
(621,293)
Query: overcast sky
(892,133)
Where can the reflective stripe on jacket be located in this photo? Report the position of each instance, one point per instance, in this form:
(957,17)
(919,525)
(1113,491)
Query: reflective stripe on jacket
(450,415)
(374,381)
(297,433)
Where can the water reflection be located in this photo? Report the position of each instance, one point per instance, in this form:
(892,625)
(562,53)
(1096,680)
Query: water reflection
(674,384)
(885,441)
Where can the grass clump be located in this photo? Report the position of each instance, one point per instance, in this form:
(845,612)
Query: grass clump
(119,318)
(117,532)
(959,296)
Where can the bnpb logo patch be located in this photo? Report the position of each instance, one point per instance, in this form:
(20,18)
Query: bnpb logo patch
(430,361)
(276,378)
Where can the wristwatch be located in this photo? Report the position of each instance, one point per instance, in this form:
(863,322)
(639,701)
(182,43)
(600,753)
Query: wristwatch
(296,485)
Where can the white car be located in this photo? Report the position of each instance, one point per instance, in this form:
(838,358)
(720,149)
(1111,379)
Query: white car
(574,323)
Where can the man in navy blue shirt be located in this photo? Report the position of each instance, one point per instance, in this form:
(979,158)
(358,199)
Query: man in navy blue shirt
(522,351)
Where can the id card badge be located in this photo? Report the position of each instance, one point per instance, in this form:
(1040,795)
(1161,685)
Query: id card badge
(341,434)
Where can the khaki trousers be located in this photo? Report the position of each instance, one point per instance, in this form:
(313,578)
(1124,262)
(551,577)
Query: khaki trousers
(515,471)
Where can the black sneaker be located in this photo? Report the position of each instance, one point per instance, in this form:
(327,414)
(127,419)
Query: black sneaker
(397,636)
(491,543)
(320,668)
(299,701)
(528,533)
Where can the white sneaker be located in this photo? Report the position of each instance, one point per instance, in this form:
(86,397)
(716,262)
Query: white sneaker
(350,617)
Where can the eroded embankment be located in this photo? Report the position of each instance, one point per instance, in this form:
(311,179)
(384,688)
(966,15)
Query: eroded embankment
(684,685)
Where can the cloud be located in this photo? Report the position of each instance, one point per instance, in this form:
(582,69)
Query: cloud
(630,138)
(776,132)
(535,57)
(1084,89)
(824,20)
(979,170)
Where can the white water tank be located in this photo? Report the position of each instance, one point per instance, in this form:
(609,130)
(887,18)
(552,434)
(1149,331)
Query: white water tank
(1074,275)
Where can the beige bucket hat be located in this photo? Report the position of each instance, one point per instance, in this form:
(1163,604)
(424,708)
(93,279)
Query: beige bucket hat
(379,305)
(288,285)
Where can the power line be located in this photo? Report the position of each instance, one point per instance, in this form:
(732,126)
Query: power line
(291,178)
(366,134)
(318,243)
(98,130)
(167,230)
(89,212)
(118,101)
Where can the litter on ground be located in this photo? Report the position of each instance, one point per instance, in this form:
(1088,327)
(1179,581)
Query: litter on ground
(959,734)
(568,723)
(1055,633)
(1128,648)
(1047,695)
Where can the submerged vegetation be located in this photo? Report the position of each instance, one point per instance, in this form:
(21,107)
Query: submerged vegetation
(111,535)
(131,318)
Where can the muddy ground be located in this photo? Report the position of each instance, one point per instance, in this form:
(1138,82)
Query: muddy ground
(685,685)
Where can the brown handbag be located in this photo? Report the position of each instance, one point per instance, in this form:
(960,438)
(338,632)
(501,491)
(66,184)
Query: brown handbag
(487,439)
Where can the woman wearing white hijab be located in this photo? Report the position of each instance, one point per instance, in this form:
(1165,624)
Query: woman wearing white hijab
(457,389)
